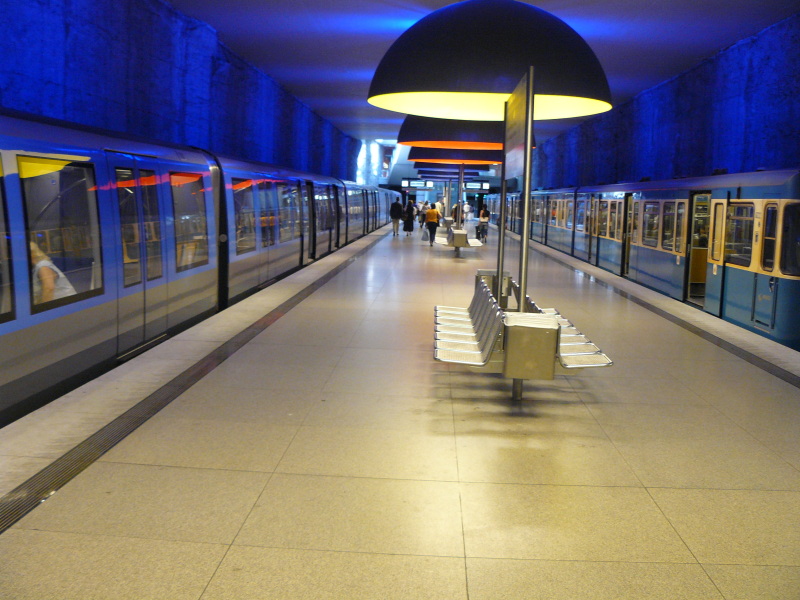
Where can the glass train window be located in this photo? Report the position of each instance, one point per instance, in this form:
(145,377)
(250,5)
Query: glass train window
(322,195)
(269,213)
(152,225)
(790,244)
(650,224)
(6,291)
(129,227)
(602,219)
(680,217)
(580,216)
(60,199)
(191,224)
(288,212)
(635,223)
(244,215)
(570,208)
(770,233)
(739,234)
(612,221)
(668,230)
(719,222)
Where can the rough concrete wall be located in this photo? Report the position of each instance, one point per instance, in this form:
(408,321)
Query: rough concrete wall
(139,66)
(737,111)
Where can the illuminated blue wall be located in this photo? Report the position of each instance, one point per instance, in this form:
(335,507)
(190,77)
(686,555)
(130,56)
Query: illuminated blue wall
(739,111)
(141,67)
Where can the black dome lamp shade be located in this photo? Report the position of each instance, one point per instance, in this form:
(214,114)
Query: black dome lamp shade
(425,132)
(474,54)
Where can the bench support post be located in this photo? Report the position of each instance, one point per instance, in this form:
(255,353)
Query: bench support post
(516,391)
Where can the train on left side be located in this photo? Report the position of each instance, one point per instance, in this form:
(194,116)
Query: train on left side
(110,244)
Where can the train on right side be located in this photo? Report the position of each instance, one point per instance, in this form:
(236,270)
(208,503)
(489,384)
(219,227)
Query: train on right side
(727,244)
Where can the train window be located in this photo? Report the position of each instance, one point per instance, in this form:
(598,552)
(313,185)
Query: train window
(269,213)
(770,233)
(650,224)
(739,236)
(6,291)
(680,217)
(790,244)
(612,221)
(602,219)
(129,227)
(191,224)
(716,242)
(580,216)
(288,212)
(635,223)
(570,208)
(322,198)
(152,225)
(60,199)
(668,230)
(244,215)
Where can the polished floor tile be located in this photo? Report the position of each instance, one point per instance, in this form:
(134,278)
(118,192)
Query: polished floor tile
(360,452)
(278,574)
(356,515)
(43,565)
(218,403)
(567,523)
(735,526)
(164,503)
(493,579)
(756,583)
(205,444)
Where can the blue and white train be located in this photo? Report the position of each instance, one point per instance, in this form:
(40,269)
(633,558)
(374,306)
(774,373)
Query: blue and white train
(109,244)
(728,244)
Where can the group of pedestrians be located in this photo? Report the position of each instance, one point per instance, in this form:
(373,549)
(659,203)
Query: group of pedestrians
(430,217)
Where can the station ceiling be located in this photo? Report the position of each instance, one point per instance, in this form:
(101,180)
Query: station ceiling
(326,51)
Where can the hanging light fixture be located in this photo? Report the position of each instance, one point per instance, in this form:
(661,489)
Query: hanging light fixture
(474,54)
(456,157)
(424,132)
(442,167)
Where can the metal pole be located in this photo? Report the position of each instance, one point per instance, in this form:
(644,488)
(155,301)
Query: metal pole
(460,220)
(501,224)
(525,234)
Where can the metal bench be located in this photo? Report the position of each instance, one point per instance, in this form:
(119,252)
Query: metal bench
(520,345)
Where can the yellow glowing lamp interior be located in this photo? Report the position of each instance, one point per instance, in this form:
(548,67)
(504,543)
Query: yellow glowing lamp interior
(472,106)
(451,161)
(454,145)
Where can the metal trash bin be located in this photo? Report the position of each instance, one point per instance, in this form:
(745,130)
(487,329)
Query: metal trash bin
(531,345)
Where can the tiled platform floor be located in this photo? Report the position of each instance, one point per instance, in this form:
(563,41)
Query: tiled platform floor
(331,457)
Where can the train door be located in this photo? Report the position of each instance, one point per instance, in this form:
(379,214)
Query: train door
(308,231)
(631,214)
(715,268)
(766,292)
(698,249)
(142,289)
(591,230)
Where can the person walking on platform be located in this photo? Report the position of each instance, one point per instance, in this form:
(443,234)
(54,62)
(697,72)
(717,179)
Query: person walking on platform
(421,214)
(395,214)
(432,218)
(483,224)
(408,217)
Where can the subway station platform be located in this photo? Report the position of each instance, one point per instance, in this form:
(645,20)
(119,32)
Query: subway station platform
(305,444)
